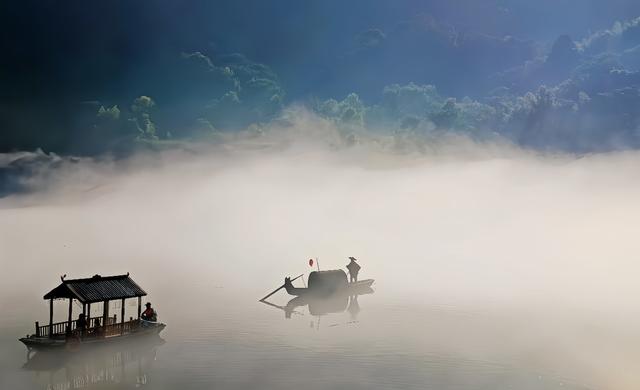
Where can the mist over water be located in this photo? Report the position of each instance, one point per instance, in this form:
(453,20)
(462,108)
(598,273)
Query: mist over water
(495,267)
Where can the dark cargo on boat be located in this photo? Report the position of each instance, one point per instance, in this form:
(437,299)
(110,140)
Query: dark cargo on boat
(327,282)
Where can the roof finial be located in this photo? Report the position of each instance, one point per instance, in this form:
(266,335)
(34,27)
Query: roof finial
(63,276)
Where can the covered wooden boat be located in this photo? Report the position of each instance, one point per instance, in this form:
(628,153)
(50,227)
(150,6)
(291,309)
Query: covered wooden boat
(98,330)
(328,283)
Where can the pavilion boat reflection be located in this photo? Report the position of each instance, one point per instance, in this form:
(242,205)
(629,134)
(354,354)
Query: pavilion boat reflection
(107,366)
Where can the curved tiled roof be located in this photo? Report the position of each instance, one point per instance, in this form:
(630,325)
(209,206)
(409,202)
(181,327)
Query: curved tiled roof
(97,288)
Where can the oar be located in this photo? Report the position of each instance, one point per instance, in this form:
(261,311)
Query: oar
(279,288)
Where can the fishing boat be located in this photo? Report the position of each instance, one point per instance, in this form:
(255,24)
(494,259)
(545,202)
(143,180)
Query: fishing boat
(328,283)
(98,330)
(326,295)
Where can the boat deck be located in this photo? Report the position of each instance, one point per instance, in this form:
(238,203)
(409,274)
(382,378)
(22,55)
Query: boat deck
(94,335)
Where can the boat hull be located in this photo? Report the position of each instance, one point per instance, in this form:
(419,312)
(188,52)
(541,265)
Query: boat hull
(46,343)
(350,289)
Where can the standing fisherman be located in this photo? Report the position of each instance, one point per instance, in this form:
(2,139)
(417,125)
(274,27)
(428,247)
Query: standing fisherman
(353,268)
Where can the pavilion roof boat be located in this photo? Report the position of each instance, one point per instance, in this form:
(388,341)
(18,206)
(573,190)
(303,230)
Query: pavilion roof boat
(98,330)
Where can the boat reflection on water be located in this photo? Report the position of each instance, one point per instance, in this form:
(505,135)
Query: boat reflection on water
(120,366)
(320,306)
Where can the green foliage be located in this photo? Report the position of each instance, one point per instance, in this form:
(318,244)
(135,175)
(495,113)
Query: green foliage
(409,107)
(141,109)
(447,116)
(411,100)
(239,92)
(109,114)
(349,112)
(142,104)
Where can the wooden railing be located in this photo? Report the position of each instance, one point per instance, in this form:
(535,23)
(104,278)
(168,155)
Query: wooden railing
(60,328)
(121,328)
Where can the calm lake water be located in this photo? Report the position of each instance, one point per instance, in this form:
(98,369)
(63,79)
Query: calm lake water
(221,338)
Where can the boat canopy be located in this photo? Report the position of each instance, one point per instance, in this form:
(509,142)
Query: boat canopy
(97,289)
(327,281)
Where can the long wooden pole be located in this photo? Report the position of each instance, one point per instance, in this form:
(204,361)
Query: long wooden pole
(279,288)
(122,317)
(51,317)
(105,313)
(70,313)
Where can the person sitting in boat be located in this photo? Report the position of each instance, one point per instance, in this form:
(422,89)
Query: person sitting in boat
(97,328)
(81,325)
(288,285)
(149,314)
(353,268)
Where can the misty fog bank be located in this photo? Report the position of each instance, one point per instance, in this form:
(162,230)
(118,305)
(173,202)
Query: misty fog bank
(462,220)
